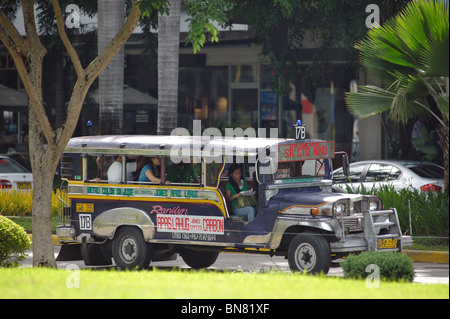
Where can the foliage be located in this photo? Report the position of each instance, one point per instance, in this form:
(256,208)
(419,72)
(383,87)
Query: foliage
(429,210)
(424,144)
(14,243)
(282,26)
(19,203)
(392,266)
(202,14)
(27,283)
(409,55)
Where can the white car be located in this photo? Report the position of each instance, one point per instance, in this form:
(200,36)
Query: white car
(13,175)
(399,174)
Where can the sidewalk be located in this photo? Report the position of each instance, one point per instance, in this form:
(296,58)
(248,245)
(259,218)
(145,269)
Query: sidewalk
(439,257)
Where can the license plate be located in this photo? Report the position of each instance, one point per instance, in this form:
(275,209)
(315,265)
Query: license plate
(390,243)
(23,185)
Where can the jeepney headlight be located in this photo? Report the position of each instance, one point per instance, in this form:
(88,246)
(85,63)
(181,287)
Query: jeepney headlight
(375,204)
(340,209)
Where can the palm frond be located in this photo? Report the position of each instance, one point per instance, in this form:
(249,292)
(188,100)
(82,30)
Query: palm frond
(369,101)
(409,54)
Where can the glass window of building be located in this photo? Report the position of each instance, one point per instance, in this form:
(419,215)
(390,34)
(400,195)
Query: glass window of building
(244,73)
(245,108)
(203,95)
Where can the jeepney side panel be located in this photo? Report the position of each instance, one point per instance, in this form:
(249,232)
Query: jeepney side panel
(166,214)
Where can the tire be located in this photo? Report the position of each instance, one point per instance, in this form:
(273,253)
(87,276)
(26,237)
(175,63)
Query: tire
(199,259)
(130,250)
(309,253)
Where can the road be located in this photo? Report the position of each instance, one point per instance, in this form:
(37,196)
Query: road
(429,273)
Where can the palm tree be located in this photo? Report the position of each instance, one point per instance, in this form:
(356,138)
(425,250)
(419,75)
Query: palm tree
(168,57)
(111,15)
(409,56)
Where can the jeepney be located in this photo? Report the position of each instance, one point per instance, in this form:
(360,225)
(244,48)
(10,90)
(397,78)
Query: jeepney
(298,214)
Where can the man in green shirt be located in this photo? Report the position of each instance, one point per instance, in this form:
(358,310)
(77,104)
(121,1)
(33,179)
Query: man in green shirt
(182,173)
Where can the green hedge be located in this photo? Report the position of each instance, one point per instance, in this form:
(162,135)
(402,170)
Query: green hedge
(14,242)
(392,266)
(429,210)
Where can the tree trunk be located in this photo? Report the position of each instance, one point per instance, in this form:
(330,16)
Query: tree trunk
(110,19)
(168,64)
(47,144)
(443,141)
(43,163)
(60,108)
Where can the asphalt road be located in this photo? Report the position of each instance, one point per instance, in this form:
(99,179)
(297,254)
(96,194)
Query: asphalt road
(429,273)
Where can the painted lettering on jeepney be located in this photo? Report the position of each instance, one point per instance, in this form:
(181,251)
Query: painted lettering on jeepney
(190,224)
(177,210)
(161,192)
(93,190)
(128,191)
(305,151)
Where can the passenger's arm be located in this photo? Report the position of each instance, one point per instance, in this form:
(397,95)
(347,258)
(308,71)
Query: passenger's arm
(152,177)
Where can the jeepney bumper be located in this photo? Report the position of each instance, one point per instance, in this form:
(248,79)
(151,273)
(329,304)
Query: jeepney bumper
(357,243)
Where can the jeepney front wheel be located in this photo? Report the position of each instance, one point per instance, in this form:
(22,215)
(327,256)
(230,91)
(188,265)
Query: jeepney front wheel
(130,250)
(310,253)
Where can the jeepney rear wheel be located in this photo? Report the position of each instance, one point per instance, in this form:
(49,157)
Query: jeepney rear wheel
(130,250)
(309,253)
(199,259)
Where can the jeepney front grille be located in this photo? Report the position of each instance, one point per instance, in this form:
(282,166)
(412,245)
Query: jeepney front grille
(352,223)
(357,206)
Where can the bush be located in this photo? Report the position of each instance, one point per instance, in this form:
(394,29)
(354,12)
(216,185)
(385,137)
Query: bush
(393,266)
(429,210)
(14,242)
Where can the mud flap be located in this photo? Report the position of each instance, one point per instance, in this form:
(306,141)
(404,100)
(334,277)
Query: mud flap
(95,254)
(70,252)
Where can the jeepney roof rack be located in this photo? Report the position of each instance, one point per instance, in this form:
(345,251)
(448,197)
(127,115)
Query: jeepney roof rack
(150,145)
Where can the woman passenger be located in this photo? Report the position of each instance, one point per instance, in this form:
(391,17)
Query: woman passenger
(233,191)
(151,173)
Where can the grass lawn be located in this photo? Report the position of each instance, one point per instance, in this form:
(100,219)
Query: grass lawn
(51,283)
(25,222)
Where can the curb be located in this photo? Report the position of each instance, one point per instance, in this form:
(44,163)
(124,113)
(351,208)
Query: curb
(425,256)
(440,257)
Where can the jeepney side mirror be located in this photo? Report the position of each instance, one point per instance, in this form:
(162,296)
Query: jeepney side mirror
(263,178)
(345,165)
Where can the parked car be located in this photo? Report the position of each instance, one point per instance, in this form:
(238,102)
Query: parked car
(399,174)
(13,175)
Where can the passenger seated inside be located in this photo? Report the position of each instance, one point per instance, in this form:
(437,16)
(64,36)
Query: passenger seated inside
(151,172)
(141,161)
(182,173)
(114,172)
(93,169)
(233,191)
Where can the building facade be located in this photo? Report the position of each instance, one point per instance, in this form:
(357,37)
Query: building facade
(227,85)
